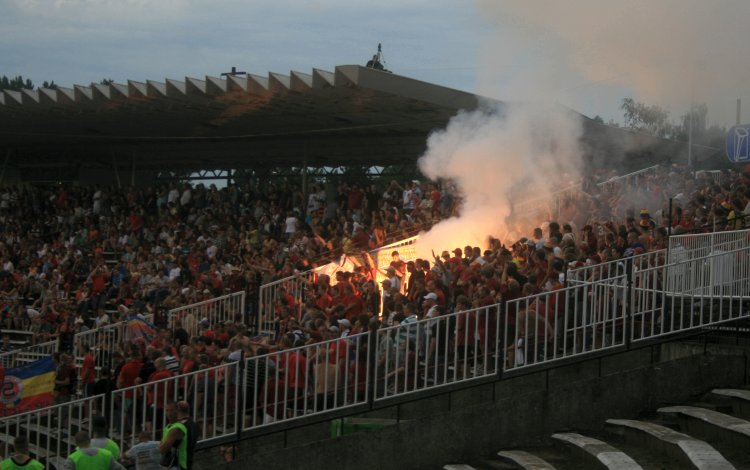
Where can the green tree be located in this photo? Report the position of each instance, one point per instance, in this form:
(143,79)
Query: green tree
(651,119)
(51,85)
(17,83)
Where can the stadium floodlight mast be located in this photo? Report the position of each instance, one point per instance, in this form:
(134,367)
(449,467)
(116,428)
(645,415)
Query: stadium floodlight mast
(233,72)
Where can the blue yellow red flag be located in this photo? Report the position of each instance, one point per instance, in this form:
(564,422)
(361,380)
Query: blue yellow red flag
(28,387)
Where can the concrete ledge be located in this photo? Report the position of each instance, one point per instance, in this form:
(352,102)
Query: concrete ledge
(732,393)
(525,460)
(740,400)
(699,453)
(608,456)
(721,420)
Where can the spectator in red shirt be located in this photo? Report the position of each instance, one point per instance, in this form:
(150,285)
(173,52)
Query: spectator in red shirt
(127,378)
(159,393)
(88,371)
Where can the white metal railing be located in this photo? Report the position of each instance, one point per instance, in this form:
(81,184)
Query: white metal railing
(308,380)
(699,245)
(563,323)
(407,250)
(549,206)
(713,175)
(691,294)
(211,393)
(272,295)
(436,352)
(630,178)
(103,341)
(613,268)
(654,299)
(23,356)
(252,392)
(219,309)
(51,430)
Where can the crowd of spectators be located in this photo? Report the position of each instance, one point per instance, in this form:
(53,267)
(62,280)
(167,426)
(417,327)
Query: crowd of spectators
(71,255)
(181,244)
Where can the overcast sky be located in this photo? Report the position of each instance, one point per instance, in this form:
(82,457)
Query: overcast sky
(586,54)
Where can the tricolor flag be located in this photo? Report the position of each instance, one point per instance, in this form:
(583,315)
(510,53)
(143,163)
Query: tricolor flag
(28,387)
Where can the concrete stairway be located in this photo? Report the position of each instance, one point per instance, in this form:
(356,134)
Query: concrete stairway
(712,434)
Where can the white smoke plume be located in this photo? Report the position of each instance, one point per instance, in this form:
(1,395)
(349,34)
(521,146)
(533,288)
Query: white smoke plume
(666,52)
(493,153)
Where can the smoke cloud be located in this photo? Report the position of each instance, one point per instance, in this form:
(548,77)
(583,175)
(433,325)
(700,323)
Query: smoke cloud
(669,52)
(497,157)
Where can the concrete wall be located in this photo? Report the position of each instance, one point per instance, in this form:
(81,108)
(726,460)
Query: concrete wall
(517,411)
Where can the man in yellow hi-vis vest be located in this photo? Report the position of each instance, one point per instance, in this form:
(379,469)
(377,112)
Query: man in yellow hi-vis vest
(86,457)
(178,439)
(20,460)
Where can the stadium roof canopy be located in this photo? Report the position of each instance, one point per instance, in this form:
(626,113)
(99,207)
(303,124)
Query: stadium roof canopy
(352,116)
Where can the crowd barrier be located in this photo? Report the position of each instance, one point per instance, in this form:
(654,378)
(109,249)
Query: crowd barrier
(218,309)
(613,268)
(272,295)
(693,246)
(51,430)
(634,302)
(103,341)
(633,179)
(435,352)
(23,356)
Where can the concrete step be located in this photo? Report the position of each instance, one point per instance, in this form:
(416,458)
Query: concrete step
(691,452)
(729,434)
(739,398)
(633,446)
(597,452)
(525,460)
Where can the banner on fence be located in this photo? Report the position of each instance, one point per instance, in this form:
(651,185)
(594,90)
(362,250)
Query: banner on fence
(28,387)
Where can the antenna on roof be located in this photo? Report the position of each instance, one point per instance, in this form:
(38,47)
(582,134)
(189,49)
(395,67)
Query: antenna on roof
(233,72)
(378,61)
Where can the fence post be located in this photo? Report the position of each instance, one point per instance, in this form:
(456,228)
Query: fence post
(372,347)
(628,301)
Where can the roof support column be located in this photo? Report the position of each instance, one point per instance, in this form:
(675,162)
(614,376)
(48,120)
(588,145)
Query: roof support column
(132,169)
(304,172)
(117,171)
(5,165)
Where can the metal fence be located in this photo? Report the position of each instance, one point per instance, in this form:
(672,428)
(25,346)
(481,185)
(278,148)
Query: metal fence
(649,300)
(103,341)
(219,309)
(274,294)
(250,392)
(691,294)
(436,352)
(614,268)
(23,356)
(51,430)
(693,246)
(634,179)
